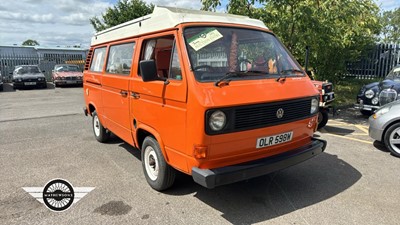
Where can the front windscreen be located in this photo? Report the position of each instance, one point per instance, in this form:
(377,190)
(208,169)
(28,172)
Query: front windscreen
(215,52)
(67,68)
(394,74)
(28,70)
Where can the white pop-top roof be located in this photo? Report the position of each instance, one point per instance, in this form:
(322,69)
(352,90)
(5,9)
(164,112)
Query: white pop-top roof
(168,17)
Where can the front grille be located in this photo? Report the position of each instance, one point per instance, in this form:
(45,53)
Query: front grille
(386,96)
(262,115)
(266,114)
(71,78)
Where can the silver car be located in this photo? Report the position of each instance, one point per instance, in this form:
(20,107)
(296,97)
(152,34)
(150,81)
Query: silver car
(384,126)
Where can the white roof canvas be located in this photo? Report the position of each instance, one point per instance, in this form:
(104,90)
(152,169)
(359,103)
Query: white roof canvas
(168,17)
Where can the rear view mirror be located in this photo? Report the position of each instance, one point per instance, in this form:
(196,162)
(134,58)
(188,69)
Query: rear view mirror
(148,70)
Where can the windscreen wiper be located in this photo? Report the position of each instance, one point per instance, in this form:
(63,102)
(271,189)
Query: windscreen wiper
(238,74)
(283,78)
(229,75)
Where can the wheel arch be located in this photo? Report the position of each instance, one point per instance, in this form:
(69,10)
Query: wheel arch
(144,131)
(387,126)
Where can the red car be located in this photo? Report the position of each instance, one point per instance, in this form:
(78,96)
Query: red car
(327,96)
(67,74)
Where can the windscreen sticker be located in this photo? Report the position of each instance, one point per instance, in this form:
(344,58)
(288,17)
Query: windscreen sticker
(204,38)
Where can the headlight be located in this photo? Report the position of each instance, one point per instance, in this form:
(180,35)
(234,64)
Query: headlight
(381,111)
(39,79)
(314,105)
(370,93)
(19,80)
(375,101)
(217,120)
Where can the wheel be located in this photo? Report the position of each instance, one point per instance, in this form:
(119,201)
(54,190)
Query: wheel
(366,112)
(1,87)
(100,133)
(322,118)
(392,139)
(158,173)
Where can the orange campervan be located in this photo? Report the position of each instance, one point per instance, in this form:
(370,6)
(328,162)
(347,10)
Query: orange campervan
(187,89)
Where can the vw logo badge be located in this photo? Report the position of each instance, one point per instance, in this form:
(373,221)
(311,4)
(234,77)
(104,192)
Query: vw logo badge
(279,113)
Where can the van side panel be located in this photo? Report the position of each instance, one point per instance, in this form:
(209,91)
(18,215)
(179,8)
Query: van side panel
(163,108)
(116,105)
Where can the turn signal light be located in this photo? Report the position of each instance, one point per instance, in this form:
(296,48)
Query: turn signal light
(200,152)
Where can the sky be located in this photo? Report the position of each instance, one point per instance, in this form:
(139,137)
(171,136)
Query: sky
(66,22)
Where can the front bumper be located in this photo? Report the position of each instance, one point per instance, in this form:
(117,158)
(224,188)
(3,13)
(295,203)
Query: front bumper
(375,130)
(26,84)
(211,178)
(68,82)
(366,107)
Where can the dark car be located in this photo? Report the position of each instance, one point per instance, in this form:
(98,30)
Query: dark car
(1,82)
(67,74)
(374,95)
(28,76)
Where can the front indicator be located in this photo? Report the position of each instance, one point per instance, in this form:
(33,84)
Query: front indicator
(199,151)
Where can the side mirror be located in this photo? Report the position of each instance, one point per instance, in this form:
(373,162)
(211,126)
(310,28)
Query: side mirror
(148,70)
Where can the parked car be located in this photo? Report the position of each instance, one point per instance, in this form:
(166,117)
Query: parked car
(326,97)
(28,76)
(384,126)
(66,74)
(374,95)
(1,82)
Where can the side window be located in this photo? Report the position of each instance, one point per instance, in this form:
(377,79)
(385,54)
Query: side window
(120,59)
(175,71)
(98,59)
(159,49)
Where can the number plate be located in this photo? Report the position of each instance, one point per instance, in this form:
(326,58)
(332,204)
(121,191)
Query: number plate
(30,83)
(274,140)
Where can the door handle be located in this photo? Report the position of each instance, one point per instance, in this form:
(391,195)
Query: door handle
(135,95)
(124,93)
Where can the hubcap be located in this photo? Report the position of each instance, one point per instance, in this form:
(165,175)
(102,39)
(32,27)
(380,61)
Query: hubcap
(394,140)
(96,126)
(151,163)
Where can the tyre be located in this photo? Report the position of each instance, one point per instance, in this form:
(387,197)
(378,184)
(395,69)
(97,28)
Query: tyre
(392,139)
(1,87)
(100,133)
(366,112)
(158,173)
(322,118)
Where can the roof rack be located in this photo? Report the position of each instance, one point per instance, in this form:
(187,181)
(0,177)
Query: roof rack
(168,17)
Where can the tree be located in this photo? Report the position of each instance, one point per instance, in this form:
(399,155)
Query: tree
(30,42)
(123,11)
(337,31)
(391,26)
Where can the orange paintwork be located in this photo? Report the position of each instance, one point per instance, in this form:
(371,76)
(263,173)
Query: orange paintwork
(174,114)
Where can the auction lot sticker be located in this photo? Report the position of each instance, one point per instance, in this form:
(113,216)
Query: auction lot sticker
(58,194)
(204,38)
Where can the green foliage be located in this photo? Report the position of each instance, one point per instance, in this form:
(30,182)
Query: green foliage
(30,42)
(391,26)
(123,11)
(336,30)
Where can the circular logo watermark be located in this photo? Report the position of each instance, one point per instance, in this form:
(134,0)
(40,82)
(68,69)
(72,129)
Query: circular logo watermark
(58,195)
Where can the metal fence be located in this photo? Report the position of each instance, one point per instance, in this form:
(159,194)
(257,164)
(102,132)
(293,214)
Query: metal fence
(45,63)
(376,63)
